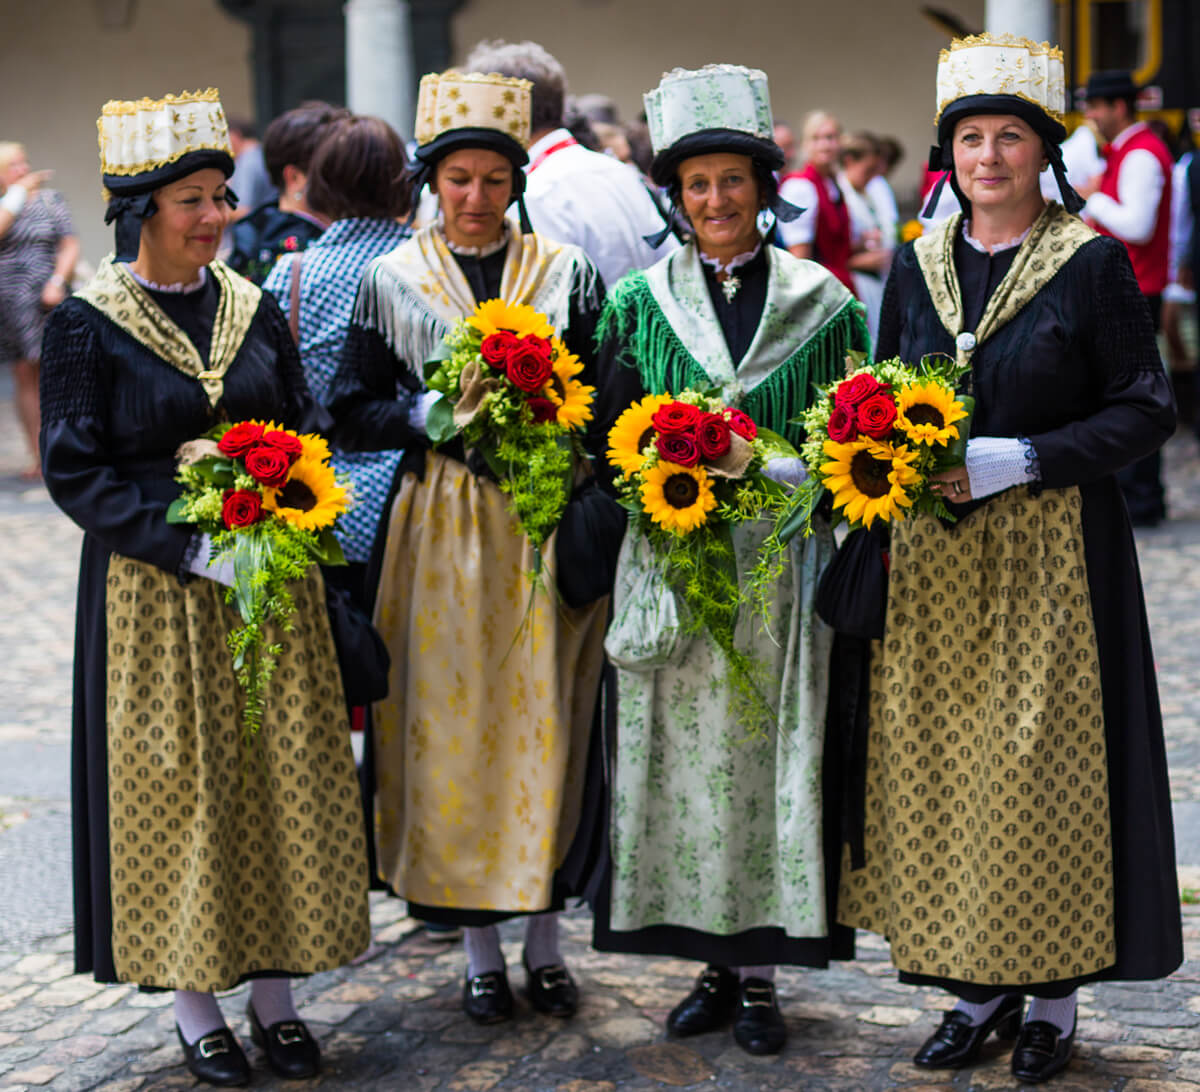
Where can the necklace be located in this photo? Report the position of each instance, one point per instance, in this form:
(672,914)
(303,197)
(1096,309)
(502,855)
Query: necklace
(732,282)
(730,286)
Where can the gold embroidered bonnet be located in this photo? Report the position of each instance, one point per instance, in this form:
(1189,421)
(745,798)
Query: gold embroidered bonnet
(145,135)
(447,101)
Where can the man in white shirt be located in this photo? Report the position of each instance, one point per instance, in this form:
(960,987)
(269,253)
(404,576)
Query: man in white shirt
(572,194)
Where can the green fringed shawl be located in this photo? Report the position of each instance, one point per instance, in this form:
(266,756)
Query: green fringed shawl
(661,321)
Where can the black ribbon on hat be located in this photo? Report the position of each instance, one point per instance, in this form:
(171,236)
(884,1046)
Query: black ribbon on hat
(782,209)
(129,212)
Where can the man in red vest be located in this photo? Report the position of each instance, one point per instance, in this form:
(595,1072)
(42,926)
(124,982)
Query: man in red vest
(1131,201)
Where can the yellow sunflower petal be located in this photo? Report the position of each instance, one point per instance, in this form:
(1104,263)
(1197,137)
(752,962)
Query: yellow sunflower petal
(631,432)
(928,412)
(491,316)
(311,498)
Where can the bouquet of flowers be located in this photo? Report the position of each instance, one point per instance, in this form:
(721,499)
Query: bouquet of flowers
(509,386)
(875,438)
(269,499)
(691,469)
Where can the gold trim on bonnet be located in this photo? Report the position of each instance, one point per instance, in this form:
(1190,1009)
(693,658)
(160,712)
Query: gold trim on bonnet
(1035,49)
(141,168)
(1057,115)
(130,106)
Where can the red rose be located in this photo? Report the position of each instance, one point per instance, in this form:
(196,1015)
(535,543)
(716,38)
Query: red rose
(496,347)
(876,416)
(242,508)
(240,439)
(843,425)
(528,365)
(856,389)
(678,447)
(285,442)
(269,466)
(543,409)
(741,424)
(713,435)
(676,417)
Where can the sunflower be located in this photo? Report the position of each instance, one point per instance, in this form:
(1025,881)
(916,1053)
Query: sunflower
(572,399)
(315,447)
(632,431)
(870,479)
(310,499)
(492,316)
(677,498)
(928,412)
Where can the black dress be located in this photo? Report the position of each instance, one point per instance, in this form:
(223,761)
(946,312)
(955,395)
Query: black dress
(168,716)
(1078,374)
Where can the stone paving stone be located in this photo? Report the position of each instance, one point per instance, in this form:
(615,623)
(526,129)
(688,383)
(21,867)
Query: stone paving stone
(38,1075)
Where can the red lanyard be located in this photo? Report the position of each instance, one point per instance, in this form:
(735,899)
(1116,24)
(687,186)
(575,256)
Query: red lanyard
(548,152)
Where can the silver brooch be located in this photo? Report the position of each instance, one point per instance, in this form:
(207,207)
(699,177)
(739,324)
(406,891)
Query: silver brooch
(730,286)
(965,342)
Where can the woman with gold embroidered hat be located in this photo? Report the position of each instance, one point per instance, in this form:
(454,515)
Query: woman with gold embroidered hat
(1018,836)
(722,848)
(197,864)
(480,748)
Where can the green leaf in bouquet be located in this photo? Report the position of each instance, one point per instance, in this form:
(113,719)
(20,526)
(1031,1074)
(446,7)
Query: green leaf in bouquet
(440,355)
(439,424)
(955,453)
(176,511)
(775,446)
(219,472)
(326,550)
(797,518)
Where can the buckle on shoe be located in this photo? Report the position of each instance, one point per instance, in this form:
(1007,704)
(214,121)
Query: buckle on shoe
(212,1045)
(482,987)
(289,1034)
(552,977)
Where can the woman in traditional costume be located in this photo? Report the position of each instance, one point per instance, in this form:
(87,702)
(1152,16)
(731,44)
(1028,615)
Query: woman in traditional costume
(481,745)
(198,863)
(1018,822)
(721,850)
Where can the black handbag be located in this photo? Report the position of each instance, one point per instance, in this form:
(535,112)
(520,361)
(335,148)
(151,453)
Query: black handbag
(852,592)
(587,544)
(362,655)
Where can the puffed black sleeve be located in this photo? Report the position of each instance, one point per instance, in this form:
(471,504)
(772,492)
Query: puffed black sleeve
(75,450)
(371,392)
(1136,407)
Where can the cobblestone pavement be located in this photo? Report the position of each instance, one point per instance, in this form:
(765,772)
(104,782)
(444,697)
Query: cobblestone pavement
(392,1021)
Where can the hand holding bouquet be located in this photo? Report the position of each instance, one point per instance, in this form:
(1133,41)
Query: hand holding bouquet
(876,438)
(269,499)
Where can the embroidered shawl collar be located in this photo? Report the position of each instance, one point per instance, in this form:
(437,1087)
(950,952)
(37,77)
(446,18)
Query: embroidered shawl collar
(801,299)
(1055,236)
(115,293)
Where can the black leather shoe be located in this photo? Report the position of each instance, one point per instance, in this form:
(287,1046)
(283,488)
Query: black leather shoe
(216,1058)
(292,1052)
(957,1042)
(487,998)
(1041,1051)
(551,989)
(759,1027)
(711,1004)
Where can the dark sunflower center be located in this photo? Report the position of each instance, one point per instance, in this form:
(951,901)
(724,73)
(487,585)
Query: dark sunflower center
(870,475)
(558,386)
(645,438)
(297,495)
(681,490)
(925,414)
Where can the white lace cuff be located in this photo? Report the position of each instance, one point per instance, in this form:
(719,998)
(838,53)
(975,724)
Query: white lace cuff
(14,199)
(996,463)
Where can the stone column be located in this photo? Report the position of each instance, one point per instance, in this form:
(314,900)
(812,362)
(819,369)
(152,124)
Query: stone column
(379,62)
(1024,18)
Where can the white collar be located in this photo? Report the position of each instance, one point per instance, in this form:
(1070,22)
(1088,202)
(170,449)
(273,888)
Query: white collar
(178,288)
(736,262)
(555,136)
(1130,130)
(975,244)
(474,251)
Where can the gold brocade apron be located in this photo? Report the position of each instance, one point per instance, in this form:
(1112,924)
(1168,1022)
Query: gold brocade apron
(987,833)
(482,741)
(223,863)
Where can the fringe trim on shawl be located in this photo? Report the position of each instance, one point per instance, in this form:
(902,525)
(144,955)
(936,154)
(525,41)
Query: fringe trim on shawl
(647,342)
(387,304)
